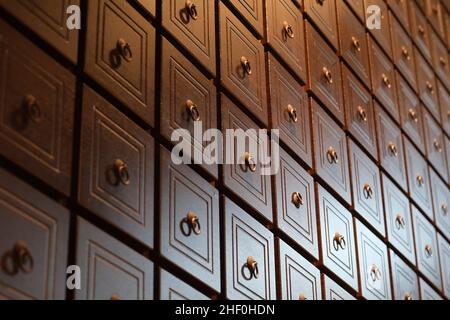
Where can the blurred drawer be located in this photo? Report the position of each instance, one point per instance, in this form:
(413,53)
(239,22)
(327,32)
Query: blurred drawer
(383,34)
(190,223)
(435,145)
(427,292)
(37,110)
(404,279)
(427,86)
(120,54)
(435,16)
(441,203)
(441,60)
(300,280)
(444,101)
(110,270)
(193,24)
(447,149)
(252,11)
(172,288)
(400,10)
(323,15)
(249,256)
(444,253)
(34,240)
(333,291)
(420,31)
(358,7)
(116,168)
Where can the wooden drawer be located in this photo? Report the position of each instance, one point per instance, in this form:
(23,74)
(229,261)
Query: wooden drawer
(400,10)
(333,291)
(427,292)
(242,64)
(37,110)
(110,270)
(360,119)
(358,7)
(447,149)
(382,35)
(120,54)
(398,220)
(427,249)
(373,265)
(296,210)
(403,51)
(34,230)
(190,221)
(325,73)
(290,112)
(192,23)
(441,60)
(427,86)
(172,288)
(420,31)
(353,42)
(404,279)
(286,34)
(435,16)
(323,15)
(48,19)
(444,101)
(383,80)
(390,144)
(444,253)
(116,168)
(187,98)
(249,256)
(367,197)
(410,113)
(418,179)
(441,203)
(331,159)
(252,12)
(148,5)
(435,145)
(422,5)
(337,233)
(300,280)
(252,186)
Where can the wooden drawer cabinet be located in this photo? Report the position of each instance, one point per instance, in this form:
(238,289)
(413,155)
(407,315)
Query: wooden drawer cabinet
(333,291)
(120,54)
(193,24)
(48,19)
(404,279)
(296,210)
(252,12)
(411,114)
(398,220)
(250,256)
(367,197)
(427,86)
(383,80)
(300,280)
(359,112)
(242,64)
(290,112)
(427,292)
(390,144)
(418,179)
(172,288)
(34,240)
(358,7)
(36,110)
(427,248)
(245,177)
(110,270)
(353,42)
(441,203)
(190,221)
(420,31)
(435,144)
(400,10)
(187,98)
(444,101)
(323,15)
(441,60)
(435,16)
(116,168)
(331,158)
(337,233)
(382,35)
(444,254)
(324,73)
(286,34)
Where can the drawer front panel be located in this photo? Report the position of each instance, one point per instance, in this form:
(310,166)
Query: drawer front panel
(382,34)
(252,11)
(335,292)
(427,292)
(444,101)
(435,145)
(406,284)
(441,60)
(400,10)
(419,30)
(444,254)
(174,289)
(427,86)
(441,203)
(323,13)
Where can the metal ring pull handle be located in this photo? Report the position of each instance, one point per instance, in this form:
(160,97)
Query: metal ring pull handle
(32,109)
(22,257)
(302,297)
(420,181)
(375,273)
(339,242)
(400,222)
(193,224)
(430,87)
(124,49)
(428,251)
(115,297)
(413,115)
(332,156)
(421,29)
(292,113)
(386,81)
(297,199)
(250,162)
(437,145)
(191,8)
(368,192)
(443,61)
(327,74)
(444,209)
(393,149)
(356,44)
(193,110)
(246,66)
(362,113)
(288,30)
(405,53)
(408,296)
(252,266)
(122,172)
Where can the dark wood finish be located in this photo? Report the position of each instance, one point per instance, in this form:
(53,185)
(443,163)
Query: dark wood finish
(323,15)
(148,5)
(444,254)
(404,279)
(333,291)
(358,7)
(441,61)
(441,203)
(444,101)
(447,149)
(382,35)
(435,145)
(420,32)
(121,195)
(252,11)
(427,86)
(435,16)
(400,10)
(172,288)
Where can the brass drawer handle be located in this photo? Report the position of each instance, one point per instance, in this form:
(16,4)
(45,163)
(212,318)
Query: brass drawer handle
(368,192)
(191,8)
(327,74)
(443,61)
(332,156)
(124,50)
(405,53)
(250,162)
(193,110)
(430,87)
(375,273)
(356,44)
(400,222)
(428,251)
(301,297)
(420,181)
(32,108)
(246,66)
(435,9)
(386,81)
(297,200)
(437,145)
(292,113)
(408,296)
(413,115)
(393,150)
(252,266)
(321,2)
(115,297)
(421,30)
(22,258)
(362,114)
(122,172)
(444,209)
(339,242)
(193,224)
(288,30)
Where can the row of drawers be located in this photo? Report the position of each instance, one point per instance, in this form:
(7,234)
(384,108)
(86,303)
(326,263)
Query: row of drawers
(34,248)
